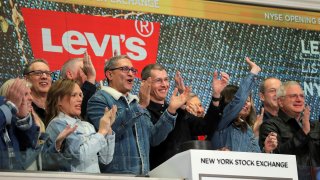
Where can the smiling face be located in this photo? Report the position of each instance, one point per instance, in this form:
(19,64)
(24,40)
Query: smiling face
(293,101)
(245,111)
(119,79)
(159,86)
(41,82)
(71,104)
(269,96)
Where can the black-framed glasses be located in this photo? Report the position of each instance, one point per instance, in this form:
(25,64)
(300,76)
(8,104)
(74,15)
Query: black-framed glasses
(126,69)
(39,73)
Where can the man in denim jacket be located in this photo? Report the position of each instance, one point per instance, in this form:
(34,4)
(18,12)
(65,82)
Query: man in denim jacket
(133,127)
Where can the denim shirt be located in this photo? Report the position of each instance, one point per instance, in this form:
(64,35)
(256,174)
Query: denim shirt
(135,132)
(80,148)
(237,140)
(227,135)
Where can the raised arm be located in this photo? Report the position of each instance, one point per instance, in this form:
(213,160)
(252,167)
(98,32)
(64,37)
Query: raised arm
(88,68)
(144,93)
(179,83)
(240,97)
(218,85)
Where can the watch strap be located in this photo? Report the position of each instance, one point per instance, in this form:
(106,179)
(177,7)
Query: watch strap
(216,99)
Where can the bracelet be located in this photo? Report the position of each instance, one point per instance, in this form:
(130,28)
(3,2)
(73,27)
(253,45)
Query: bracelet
(216,99)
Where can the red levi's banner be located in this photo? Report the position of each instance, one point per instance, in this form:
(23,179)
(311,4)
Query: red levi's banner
(59,36)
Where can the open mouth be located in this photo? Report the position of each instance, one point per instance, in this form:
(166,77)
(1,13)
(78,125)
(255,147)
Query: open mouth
(298,105)
(163,90)
(78,106)
(245,109)
(43,83)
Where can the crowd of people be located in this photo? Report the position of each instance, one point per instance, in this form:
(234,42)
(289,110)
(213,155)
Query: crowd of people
(71,125)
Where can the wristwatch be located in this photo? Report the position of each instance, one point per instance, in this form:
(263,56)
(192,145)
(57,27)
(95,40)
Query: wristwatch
(216,99)
(12,107)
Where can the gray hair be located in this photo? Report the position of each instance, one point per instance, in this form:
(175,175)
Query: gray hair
(112,62)
(282,90)
(6,85)
(67,65)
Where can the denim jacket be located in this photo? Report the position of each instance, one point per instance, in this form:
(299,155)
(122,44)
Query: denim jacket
(17,136)
(83,148)
(237,140)
(134,130)
(227,135)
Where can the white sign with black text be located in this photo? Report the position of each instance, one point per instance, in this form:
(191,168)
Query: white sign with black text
(211,165)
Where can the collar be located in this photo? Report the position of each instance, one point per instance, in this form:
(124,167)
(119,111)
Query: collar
(70,120)
(116,94)
(157,106)
(282,115)
(267,115)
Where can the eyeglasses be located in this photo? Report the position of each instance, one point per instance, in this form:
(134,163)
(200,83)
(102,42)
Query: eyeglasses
(39,73)
(126,69)
(160,81)
(295,96)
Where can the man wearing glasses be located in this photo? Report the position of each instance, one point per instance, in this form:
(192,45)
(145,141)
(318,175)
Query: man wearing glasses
(296,134)
(187,125)
(134,130)
(38,73)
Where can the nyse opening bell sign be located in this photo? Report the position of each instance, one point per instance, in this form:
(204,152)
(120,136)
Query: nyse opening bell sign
(195,38)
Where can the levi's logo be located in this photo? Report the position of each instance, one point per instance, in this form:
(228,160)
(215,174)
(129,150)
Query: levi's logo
(59,36)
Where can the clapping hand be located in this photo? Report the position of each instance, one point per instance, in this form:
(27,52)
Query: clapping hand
(179,82)
(176,101)
(144,93)
(107,120)
(271,142)
(219,84)
(88,68)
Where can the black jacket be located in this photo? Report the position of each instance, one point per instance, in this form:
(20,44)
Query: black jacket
(187,126)
(292,140)
(88,89)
